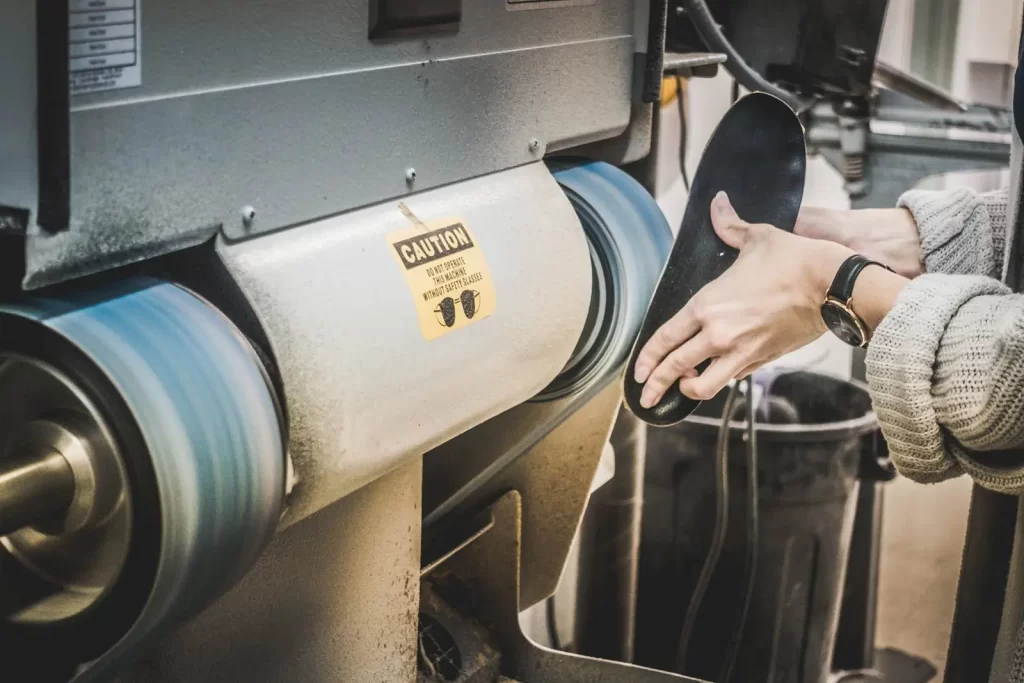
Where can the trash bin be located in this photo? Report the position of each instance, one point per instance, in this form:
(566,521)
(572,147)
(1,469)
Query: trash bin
(813,431)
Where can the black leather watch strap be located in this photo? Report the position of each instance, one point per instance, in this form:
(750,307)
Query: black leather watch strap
(846,277)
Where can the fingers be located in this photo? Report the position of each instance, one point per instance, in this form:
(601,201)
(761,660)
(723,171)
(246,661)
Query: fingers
(678,364)
(729,227)
(713,379)
(666,339)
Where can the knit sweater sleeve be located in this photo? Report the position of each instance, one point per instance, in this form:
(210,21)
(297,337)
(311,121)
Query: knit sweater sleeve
(946,373)
(962,232)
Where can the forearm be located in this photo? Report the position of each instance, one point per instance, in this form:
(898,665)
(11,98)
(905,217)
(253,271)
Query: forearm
(889,236)
(961,232)
(946,372)
(945,368)
(957,232)
(875,291)
(892,233)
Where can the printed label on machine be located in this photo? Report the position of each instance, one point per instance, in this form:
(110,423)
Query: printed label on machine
(104,45)
(445,268)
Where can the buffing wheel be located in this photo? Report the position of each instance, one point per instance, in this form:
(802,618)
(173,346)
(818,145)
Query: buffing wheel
(170,392)
(757,157)
(629,242)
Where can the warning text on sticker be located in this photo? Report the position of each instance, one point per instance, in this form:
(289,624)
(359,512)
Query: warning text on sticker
(428,247)
(460,281)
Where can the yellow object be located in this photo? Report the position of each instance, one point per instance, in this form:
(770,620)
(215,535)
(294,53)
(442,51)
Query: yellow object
(670,89)
(448,277)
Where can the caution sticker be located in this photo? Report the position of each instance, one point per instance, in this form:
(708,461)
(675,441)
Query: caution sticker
(447,275)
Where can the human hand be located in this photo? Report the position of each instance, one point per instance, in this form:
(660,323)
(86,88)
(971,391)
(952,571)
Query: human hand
(888,236)
(766,304)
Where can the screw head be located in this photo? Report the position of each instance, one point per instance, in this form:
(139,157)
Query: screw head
(410,175)
(534,144)
(248,214)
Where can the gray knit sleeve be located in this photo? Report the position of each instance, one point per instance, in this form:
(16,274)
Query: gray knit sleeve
(962,232)
(946,373)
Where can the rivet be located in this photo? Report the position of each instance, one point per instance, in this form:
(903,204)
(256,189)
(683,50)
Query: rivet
(410,175)
(248,215)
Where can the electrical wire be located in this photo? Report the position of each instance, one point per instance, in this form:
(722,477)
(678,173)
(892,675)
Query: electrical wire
(712,35)
(683,132)
(753,521)
(718,532)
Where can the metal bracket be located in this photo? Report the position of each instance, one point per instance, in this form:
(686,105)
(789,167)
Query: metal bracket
(53,116)
(875,464)
(903,142)
(694,64)
(489,567)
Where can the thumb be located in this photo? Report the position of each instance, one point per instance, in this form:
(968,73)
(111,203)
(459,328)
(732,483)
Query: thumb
(728,225)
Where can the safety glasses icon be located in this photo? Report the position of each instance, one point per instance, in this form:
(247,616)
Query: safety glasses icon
(445,311)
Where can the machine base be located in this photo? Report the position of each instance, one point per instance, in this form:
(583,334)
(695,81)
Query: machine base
(489,569)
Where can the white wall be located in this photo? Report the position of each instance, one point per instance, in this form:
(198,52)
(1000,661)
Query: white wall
(986,50)
(894,47)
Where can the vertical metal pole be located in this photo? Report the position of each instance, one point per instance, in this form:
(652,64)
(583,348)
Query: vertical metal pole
(855,636)
(610,551)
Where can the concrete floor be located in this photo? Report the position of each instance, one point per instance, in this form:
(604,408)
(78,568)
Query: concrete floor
(922,538)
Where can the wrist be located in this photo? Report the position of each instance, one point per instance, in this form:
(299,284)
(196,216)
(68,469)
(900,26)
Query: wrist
(875,294)
(822,264)
(831,225)
(889,236)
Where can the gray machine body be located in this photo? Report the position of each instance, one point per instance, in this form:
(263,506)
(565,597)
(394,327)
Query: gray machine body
(365,390)
(291,144)
(291,109)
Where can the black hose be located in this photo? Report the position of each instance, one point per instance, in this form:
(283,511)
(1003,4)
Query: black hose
(683,132)
(707,571)
(716,41)
(753,520)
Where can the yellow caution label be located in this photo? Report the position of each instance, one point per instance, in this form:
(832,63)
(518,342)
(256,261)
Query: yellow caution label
(447,274)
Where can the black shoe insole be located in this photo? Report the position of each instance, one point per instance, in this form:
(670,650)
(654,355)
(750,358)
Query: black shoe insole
(757,157)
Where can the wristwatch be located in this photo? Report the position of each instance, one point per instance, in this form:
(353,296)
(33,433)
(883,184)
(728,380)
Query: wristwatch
(837,310)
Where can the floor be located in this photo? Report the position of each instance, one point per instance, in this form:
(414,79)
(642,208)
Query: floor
(922,538)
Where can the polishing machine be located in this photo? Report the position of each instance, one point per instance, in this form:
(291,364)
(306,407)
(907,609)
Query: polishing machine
(302,304)
(313,316)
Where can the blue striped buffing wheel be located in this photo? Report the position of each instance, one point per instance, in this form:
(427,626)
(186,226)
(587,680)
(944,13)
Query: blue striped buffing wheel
(629,244)
(189,413)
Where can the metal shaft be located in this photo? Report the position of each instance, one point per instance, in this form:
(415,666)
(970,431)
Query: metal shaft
(32,488)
